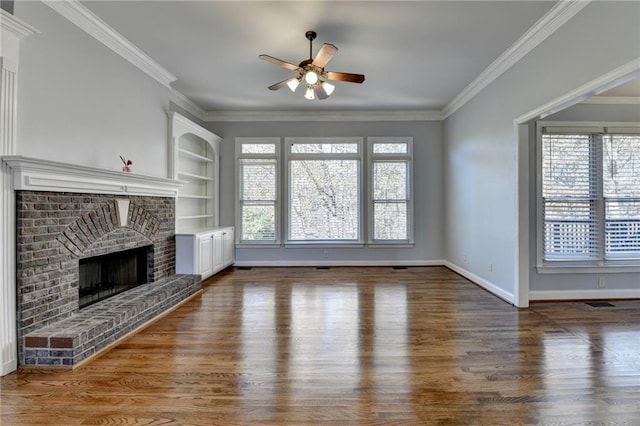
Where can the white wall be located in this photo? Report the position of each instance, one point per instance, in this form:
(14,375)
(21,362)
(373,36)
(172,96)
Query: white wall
(481,192)
(428,184)
(81,103)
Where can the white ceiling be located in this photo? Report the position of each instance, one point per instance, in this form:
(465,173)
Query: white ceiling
(416,55)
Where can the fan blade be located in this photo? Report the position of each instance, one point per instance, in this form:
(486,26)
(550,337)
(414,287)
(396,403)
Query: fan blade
(324,55)
(281,84)
(345,76)
(279,62)
(320,92)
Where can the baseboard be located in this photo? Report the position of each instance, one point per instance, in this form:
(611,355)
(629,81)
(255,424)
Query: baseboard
(537,295)
(9,367)
(311,263)
(487,285)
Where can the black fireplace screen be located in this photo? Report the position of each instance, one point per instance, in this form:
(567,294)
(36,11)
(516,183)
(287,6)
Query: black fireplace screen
(104,276)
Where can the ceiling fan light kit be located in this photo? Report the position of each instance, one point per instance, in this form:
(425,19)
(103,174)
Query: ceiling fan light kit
(312,72)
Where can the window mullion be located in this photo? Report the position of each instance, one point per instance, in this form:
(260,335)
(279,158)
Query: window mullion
(600,207)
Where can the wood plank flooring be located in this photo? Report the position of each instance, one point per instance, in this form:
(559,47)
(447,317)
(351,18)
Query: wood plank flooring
(351,346)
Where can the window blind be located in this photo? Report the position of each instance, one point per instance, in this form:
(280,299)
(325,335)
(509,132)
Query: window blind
(621,188)
(570,197)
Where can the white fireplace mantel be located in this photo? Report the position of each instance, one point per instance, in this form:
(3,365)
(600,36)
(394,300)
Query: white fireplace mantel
(34,174)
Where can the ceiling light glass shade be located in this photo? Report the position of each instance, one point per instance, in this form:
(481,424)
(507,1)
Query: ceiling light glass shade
(293,83)
(311,77)
(310,93)
(328,87)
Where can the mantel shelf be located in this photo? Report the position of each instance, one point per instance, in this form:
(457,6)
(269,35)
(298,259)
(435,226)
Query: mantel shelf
(34,174)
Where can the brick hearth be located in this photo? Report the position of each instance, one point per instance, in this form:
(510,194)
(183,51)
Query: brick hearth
(72,340)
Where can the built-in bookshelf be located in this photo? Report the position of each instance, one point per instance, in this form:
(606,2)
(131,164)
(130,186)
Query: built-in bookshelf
(194,159)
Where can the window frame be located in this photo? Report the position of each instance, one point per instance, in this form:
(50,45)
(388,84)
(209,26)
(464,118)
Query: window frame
(276,141)
(290,156)
(389,157)
(601,263)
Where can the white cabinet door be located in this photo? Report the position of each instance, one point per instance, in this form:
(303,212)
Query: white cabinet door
(229,246)
(205,255)
(217,251)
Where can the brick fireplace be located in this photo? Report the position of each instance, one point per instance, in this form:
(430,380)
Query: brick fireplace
(56,229)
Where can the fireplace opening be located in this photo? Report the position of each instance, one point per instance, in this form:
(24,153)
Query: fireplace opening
(104,276)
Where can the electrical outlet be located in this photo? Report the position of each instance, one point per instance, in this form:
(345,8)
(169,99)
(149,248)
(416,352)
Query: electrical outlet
(464,258)
(325,254)
(601,282)
(491,267)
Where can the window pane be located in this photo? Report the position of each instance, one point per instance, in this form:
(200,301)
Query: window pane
(324,200)
(390,221)
(622,228)
(621,165)
(258,148)
(390,148)
(567,166)
(258,222)
(258,179)
(390,180)
(570,230)
(324,148)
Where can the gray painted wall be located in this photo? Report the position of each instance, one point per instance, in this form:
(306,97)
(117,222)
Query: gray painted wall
(81,103)
(481,187)
(428,185)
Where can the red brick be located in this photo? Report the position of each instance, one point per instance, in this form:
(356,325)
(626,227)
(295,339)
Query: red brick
(61,342)
(36,342)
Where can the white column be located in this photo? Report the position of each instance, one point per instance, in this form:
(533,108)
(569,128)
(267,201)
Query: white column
(13,30)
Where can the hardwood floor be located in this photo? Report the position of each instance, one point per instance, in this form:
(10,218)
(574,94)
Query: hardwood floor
(356,346)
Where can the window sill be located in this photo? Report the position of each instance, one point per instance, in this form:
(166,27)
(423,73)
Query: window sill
(323,244)
(257,245)
(611,268)
(391,245)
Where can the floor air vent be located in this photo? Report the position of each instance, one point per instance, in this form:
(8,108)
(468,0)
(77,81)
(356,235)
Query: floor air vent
(599,304)
(400,267)
(323,267)
(243,268)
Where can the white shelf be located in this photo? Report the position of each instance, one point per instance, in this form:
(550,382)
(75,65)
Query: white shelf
(196,197)
(194,155)
(200,216)
(195,159)
(35,174)
(194,176)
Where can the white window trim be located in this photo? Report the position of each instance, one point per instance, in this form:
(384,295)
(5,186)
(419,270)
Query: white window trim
(238,213)
(572,266)
(408,157)
(288,156)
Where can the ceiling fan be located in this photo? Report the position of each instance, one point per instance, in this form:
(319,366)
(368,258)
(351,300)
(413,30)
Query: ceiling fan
(312,71)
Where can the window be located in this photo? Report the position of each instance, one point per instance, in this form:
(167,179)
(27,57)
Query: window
(330,194)
(324,177)
(258,190)
(390,160)
(590,194)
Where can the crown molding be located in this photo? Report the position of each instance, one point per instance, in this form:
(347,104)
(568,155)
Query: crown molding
(90,23)
(620,75)
(541,30)
(187,104)
(15,26)
(395,115)
(612,100)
